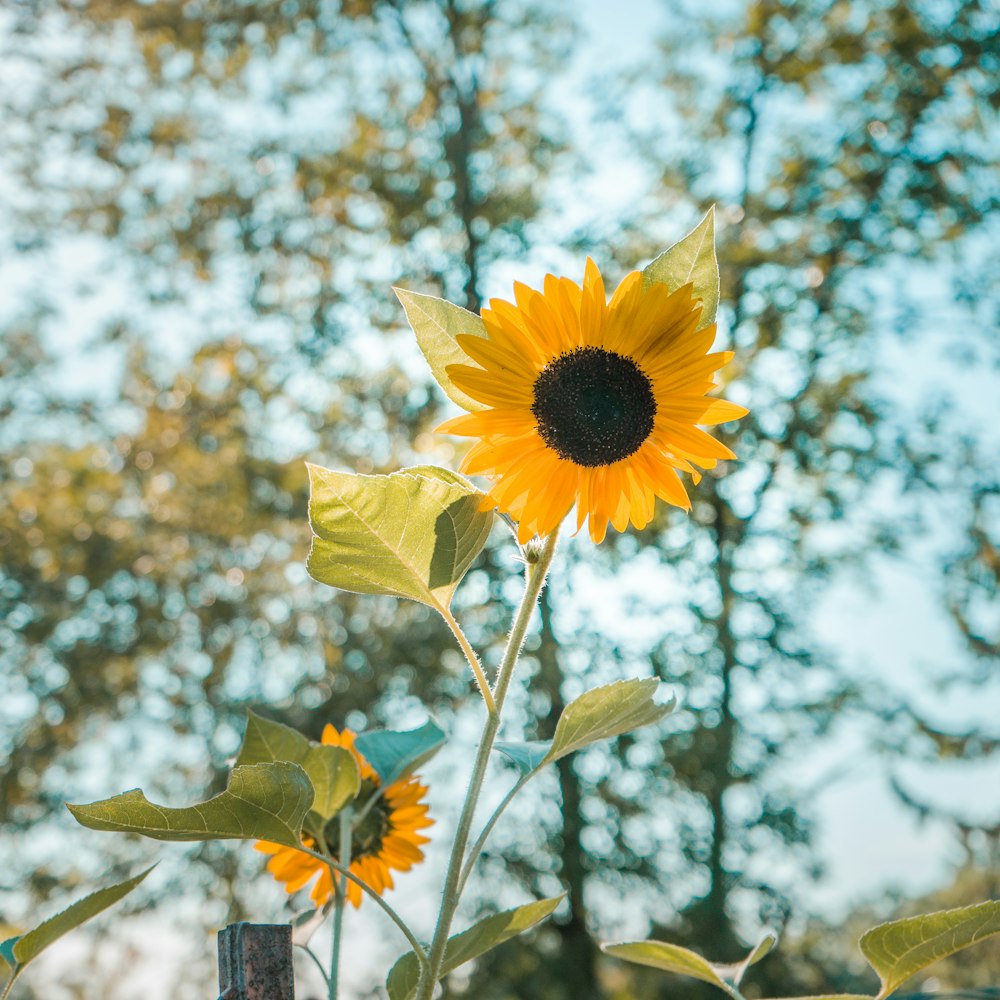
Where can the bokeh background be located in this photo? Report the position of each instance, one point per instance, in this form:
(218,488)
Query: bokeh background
(203,205)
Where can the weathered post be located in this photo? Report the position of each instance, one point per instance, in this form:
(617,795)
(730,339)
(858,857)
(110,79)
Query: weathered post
(255,962)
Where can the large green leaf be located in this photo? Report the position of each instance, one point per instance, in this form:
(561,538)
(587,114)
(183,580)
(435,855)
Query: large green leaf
(470,944)
(901,948)
(691,259)
(413,533)
(333,771)
(394,755)
(605,712)
(261,802)
(19,951)
(436,324)
(670,958)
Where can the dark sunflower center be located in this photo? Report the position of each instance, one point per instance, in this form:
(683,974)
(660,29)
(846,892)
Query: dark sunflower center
(593,406)
(371,831)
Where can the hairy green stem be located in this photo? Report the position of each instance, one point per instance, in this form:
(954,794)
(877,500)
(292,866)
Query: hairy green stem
(470,655)
(7,988)
(536,574)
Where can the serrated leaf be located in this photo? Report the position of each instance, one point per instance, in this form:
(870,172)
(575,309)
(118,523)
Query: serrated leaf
(526,756)
(261,802)
(606,712)
(19,951)
(670,958)
(436,323)
(412,534)
(332,770)
(901,948)
(477,940)
(691,259)
(395,755)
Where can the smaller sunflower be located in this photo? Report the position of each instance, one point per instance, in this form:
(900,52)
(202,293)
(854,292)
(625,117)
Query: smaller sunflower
(385,840)
(591,402)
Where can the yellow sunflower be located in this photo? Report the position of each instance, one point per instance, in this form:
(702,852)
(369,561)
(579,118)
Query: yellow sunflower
(385,839)
(590,402)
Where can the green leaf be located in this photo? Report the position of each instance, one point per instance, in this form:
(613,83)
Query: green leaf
(526,756)
(470,944)
(762,950)
(19,951)
(436,324)
(394,755)
(7,951)
(673,958)
(605,712)
(670,958)
(333,771)
(833,996)
(901,948)
(691,259)
(261,802)
(412,534)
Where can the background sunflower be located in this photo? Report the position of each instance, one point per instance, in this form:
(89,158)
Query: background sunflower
(386,838)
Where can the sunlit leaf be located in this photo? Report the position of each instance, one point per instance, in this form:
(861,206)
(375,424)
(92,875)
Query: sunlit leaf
(901,948)
(526,756)
(19,951)
(470,944)
(691,259)
(606,712)
(436,324)
(412,534)
(394,755)
(261,802)
(333,771)
(670,958)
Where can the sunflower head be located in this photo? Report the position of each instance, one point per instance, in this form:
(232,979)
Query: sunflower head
(590,402)
(385,838)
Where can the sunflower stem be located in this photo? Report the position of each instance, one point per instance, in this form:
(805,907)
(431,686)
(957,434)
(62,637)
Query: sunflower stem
(318,963)
(535,580)
(418,948)
(473,659)
(340,899)
(477,847)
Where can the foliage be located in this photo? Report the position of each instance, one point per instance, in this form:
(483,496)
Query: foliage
(17,952)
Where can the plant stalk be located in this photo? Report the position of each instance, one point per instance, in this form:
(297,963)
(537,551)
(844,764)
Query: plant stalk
(340,890)
(449,904)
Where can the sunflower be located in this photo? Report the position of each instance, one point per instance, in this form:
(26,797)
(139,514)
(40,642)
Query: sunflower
(385,839)
(590,402)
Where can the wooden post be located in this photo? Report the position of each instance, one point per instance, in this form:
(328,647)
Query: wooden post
(255,962)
